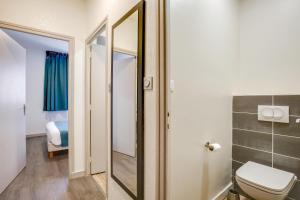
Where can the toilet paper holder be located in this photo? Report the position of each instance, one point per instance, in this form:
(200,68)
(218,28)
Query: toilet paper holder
(212,147)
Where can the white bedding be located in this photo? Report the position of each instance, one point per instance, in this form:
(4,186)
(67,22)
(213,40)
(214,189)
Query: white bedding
(53,133)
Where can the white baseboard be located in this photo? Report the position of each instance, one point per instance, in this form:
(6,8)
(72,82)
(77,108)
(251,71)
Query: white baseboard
(77,174)
(35,135)
(223,193)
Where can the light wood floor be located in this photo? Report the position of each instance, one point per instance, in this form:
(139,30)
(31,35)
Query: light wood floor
(44,179)
(101,181)
(125,169)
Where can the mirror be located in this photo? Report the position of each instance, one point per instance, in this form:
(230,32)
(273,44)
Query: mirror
(127,148)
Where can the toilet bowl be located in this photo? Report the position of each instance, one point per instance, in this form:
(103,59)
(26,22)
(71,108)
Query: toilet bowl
(264,183)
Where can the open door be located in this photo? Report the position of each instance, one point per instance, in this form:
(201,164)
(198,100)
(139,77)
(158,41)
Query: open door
(98,121)
(12,109)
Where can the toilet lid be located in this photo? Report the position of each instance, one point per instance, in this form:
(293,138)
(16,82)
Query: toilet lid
(265,177)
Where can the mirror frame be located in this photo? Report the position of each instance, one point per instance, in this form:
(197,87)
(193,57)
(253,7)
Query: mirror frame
(140,7)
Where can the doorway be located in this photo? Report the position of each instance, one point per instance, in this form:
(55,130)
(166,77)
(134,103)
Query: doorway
(32,118)
(96,105)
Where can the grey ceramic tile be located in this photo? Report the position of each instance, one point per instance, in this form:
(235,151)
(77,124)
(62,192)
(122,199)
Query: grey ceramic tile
(250,103)
(235,120)
(235,166)
(261,141)
(250,122)
(295,192)
(287,164)
(289,100)
(288,146)
(245,154)
(291,129)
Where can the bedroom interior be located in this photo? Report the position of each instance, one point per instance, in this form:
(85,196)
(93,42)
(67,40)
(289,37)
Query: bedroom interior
(43,68)
(46,80)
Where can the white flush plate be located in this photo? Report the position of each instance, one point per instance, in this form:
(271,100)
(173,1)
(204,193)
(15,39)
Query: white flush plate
(273,113)
(265,113)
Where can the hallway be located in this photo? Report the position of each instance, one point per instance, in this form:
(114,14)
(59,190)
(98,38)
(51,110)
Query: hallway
(48,179)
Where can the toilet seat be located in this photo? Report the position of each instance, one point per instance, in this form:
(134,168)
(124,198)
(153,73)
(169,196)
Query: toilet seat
(266,179)
(283,192)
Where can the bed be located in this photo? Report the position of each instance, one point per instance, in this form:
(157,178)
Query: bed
(57,136)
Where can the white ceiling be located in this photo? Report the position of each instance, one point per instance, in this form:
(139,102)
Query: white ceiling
(35,41)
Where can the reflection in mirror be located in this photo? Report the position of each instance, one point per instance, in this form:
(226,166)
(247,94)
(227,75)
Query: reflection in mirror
(124,120)
(127,109)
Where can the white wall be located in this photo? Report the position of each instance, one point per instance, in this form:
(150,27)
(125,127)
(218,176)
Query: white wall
(65,17)
(12,119)
(36,118)
(203,61)
(269,47)
(98,96)
(97,10)
(124,104)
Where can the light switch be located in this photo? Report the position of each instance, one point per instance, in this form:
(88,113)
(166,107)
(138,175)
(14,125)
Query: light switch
(172,86)
(148,83)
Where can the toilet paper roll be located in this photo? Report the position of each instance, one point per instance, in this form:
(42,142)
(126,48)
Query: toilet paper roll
(215,147)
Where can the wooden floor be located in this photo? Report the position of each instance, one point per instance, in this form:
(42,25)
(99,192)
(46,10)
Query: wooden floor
(125,169)
(44,179)
(101,181)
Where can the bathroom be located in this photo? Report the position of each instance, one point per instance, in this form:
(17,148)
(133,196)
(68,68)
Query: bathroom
(235,57)
(268,75)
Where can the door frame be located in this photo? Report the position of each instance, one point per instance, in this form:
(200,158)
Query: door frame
(71,52)
(89,40)
(163,99)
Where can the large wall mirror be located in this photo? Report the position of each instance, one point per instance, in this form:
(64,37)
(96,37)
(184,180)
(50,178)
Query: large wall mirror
(127,123)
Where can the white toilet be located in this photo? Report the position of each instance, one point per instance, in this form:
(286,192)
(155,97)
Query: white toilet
(264,183)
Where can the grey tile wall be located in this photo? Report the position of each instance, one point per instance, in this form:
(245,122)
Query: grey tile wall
(249,122)
(243,155)
(249,103)
(295,193)
(287,164)
(289,146)
(291,100)
(290,129)
(235,166)
(269,143)
(260,141)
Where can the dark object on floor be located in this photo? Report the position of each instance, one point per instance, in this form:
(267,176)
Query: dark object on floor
(233,195)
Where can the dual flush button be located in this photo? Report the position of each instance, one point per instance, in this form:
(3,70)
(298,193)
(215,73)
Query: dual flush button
(273,113)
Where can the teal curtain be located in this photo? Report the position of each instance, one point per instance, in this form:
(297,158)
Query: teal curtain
(56,82)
